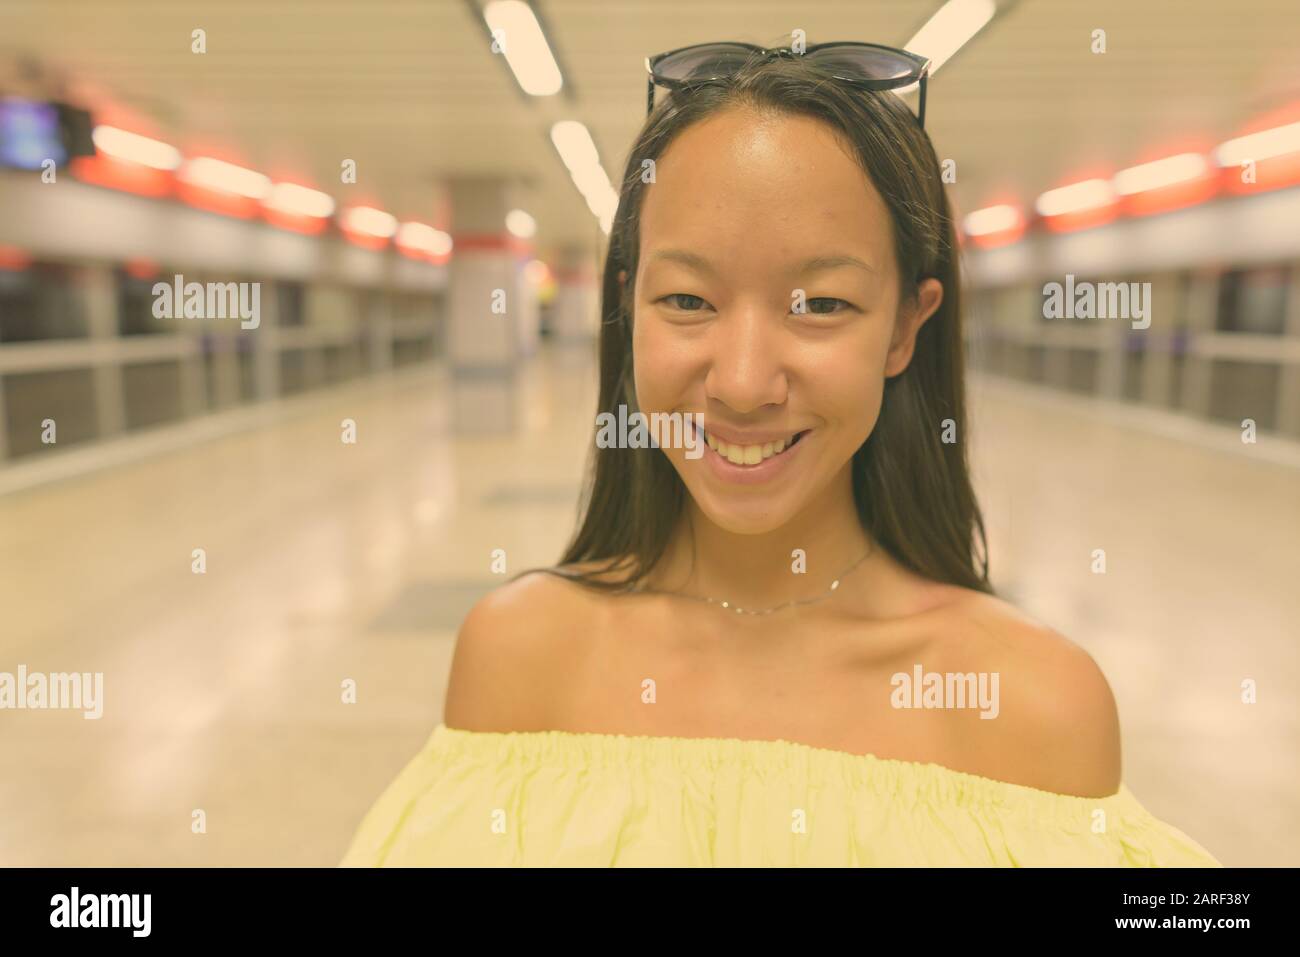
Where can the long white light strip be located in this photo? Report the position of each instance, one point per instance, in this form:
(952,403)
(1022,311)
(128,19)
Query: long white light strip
(575,146)
(424,237)
(300,200)
(368,220)
(1258,146)
(524,46)
(1088,194)
(991,219)
(135,148)
(951,28)
(216,174)
(603,205)
(578,151)
(1161,172)
(1180,168)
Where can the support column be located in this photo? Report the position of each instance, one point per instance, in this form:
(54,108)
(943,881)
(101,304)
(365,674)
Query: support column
(223,336)
(193,376)
(316,311)
(1158,358)
(266,344)
(1198,370)
(1114,338)
(104,332)
(1288,388)
(1019,311)
(488,312)
(378,308)
(577,298)
(4,421)
(528,304)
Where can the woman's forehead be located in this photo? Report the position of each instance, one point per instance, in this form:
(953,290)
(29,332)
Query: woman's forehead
(741,176)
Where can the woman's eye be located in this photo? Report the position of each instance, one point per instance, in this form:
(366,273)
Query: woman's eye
(684,302)
(824,305)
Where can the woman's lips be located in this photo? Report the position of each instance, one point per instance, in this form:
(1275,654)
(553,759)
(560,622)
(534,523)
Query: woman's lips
(763,471)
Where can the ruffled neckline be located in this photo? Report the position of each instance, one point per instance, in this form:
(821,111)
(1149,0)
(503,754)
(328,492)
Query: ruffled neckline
(904,781)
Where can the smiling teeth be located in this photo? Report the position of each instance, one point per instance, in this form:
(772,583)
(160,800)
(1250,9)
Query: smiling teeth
(747,454)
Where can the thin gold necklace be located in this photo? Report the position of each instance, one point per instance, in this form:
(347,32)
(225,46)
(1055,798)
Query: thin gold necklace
(731,606)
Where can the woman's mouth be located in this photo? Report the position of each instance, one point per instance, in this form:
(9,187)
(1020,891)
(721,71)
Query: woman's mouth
(751,463)
(751,455)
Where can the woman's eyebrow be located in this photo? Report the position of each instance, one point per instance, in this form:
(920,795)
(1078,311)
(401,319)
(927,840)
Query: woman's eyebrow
(700,264)
(834,262)
(683,257)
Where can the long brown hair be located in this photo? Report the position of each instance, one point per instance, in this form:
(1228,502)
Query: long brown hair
(912,490)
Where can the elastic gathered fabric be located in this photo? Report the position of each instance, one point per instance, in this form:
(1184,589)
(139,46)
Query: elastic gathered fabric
(559,798)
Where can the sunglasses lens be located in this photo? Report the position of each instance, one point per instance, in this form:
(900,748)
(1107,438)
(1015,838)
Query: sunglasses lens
(704,62)
(866,63)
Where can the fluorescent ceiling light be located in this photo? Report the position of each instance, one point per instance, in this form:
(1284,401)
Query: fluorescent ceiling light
(424,237)
(578,151)
(1162,172)
(574,144)
(368,220)
(950,29)
(1076,197)
(602,202)
(225,177)
(135,148)
(1259,146)
(991,219)
(592,181)
(441,243)
(525,47)
(415,235)
(521,224)
(300,200)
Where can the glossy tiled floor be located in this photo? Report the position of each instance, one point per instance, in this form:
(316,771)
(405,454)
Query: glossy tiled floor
(328,562)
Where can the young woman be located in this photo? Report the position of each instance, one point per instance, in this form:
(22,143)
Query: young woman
(783,651)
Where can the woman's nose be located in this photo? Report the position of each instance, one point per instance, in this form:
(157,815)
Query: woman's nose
(748,368)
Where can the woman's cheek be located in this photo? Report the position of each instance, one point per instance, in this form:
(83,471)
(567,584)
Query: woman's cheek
(867,407)
(651,366)
(662,365)
(847,388)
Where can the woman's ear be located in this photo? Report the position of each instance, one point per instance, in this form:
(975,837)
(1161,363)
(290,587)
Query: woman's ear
(923,305)
(622,277)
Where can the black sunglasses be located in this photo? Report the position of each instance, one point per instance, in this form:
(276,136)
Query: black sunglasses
(867,66)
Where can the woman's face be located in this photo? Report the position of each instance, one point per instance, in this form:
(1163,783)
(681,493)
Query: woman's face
(767,298)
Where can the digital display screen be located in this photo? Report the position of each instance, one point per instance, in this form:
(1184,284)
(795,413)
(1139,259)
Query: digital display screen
(30,134)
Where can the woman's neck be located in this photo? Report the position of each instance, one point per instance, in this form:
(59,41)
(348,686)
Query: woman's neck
(795,562)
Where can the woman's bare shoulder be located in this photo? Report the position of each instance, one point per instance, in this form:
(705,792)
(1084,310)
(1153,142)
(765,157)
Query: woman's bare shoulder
(1057,726)
(510,645)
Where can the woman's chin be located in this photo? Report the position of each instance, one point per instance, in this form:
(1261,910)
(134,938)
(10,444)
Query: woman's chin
(753,517)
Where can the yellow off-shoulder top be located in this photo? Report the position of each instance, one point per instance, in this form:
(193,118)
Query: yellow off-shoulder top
(559,798)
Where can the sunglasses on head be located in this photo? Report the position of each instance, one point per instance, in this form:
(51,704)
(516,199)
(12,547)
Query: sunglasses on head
(867,66)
